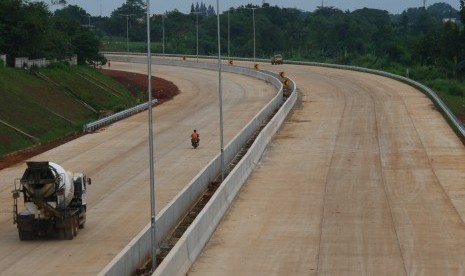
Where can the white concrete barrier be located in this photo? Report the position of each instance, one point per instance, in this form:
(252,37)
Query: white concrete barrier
(128,260)
(189,246)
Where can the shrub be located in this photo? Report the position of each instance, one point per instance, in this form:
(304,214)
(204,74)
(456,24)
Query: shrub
(455,91)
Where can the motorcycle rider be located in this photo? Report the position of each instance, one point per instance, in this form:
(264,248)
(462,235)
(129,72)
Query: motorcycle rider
(195,136)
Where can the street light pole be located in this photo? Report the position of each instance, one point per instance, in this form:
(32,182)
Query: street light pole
(163,26)
(253,16)
(163,30)
(197,19)
(253,19)
(151,164)
(220,90)
(229,53)
(127,33)
(127,30)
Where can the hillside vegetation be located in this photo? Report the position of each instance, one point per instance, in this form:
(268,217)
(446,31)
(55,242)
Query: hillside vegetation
(39,107)
(42,105)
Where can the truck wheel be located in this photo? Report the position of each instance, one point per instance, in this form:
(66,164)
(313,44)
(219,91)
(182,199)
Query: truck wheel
(68,233)
(75,226)
(61,233)
(26,235)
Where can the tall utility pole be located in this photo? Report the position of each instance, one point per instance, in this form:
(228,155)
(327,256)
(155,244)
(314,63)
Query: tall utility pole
(197,19)
(152,162)
(253,19)
(220,89)
(127,30)
(424,4)
(163,30)
(229,38)
(163,27)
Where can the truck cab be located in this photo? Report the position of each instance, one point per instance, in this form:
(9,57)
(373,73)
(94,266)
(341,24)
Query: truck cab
(277,59)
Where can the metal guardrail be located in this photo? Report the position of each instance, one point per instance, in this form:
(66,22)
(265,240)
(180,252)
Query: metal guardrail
(423,88)
(456,124)
(116,117)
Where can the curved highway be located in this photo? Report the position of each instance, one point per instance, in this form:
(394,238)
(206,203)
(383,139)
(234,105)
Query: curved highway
(365,178)
(116,158)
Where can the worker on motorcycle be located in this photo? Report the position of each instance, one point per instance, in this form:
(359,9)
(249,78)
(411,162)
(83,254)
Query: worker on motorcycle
(195,138)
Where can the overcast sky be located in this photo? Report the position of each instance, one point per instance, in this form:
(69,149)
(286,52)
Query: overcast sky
(105,7)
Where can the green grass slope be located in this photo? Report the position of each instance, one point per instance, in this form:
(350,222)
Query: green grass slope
(53,103)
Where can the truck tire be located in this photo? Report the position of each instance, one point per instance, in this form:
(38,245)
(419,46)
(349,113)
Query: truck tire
(68,233)
(26,235)
(75,225)
(61,233)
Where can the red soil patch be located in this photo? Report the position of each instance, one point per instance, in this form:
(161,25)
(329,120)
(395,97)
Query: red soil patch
(162,90)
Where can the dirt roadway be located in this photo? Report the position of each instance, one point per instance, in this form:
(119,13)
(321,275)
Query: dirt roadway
(116,158)
(365,178)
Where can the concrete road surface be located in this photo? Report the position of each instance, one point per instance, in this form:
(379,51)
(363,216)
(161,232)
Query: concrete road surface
(365,178)
(116,158)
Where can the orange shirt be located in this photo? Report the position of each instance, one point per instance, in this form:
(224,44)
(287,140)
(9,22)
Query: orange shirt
(195,136)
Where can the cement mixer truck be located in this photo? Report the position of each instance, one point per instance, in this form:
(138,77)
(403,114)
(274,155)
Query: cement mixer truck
(54,201)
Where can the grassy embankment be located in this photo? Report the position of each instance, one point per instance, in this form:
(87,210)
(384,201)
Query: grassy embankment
(450,89)
(36,110)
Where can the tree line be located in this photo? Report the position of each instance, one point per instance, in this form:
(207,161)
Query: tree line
(29,29)
(432,37)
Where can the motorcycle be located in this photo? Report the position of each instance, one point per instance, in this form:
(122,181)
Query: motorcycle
(195,143)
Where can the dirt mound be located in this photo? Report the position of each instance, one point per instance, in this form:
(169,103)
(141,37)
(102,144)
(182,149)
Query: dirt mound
(162,90)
